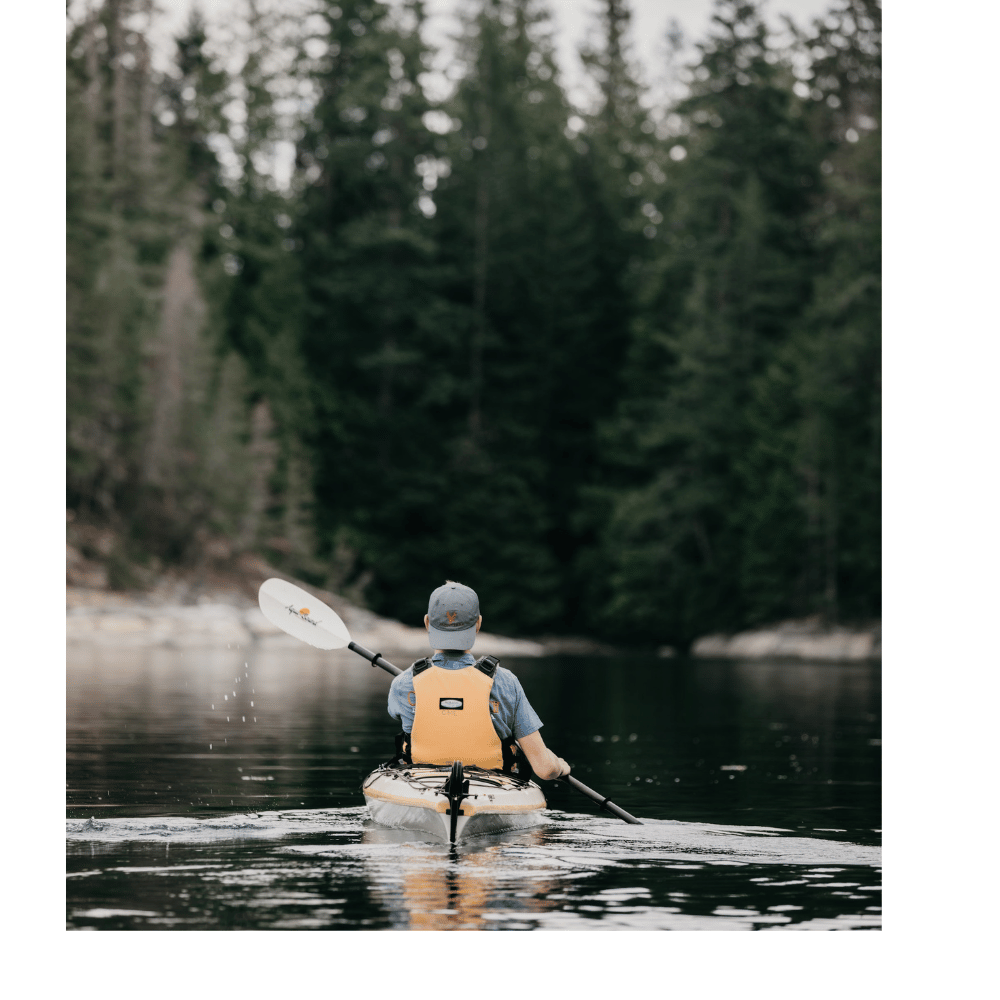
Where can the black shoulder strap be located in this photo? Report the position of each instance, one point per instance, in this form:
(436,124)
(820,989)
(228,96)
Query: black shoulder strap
(402,754)
(488,665)
(515,763)
(419,665)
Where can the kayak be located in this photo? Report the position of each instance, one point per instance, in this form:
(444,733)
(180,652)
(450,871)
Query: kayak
(450,801)
(419,797)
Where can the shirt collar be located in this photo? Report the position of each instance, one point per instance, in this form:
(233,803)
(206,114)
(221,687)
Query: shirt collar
(450,663)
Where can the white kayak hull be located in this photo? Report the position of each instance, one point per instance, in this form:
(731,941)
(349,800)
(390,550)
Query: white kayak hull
(414,798)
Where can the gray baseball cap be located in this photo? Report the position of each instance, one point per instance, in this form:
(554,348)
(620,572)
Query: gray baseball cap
(453,611)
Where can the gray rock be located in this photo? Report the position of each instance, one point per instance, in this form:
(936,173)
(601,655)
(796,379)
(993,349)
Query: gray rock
(804,639)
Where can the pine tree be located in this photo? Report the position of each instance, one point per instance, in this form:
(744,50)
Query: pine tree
(537,296)
(249,266)
(366,305)
(157,416)
(117,238)
(505,211)
(622,177)
(835,357)
(731,278)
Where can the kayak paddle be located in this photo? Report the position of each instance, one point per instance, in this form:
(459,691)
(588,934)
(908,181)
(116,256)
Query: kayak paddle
(602,801)
(307,618)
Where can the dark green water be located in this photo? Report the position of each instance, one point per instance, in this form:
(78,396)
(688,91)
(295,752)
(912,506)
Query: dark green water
(196,800)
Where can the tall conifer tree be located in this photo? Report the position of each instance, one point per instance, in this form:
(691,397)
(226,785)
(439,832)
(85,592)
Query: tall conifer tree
(731,279)
(818,407)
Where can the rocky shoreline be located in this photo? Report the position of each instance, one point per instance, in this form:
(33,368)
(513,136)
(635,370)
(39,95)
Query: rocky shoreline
(114,620)
(805,639)
(219,606)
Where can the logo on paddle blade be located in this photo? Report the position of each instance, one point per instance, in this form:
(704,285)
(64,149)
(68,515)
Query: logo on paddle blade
(302,613)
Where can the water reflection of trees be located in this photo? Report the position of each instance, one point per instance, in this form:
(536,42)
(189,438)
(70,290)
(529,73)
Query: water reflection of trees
(165,729)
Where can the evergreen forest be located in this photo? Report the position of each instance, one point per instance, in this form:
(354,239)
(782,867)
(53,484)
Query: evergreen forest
(618,367)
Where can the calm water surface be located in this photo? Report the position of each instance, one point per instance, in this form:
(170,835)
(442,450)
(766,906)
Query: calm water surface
(221,789)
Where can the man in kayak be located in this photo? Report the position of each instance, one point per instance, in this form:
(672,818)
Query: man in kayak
(453,707)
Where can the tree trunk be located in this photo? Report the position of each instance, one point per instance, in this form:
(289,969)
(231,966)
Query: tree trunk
(119,101)
(482,220)
(182,313)
(144,128)
(262,454)
(830,597)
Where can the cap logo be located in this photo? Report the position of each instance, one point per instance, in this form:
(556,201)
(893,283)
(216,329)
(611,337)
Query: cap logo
(452,615)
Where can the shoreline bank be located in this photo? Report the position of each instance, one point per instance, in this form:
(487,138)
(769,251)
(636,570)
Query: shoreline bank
(803,639)
(219,606)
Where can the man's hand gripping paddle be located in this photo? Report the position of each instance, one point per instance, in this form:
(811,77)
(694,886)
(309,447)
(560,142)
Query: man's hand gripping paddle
(301,615)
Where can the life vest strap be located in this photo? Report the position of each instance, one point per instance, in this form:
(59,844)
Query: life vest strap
(418,666)
(402,754)
(515,763)
(487,664)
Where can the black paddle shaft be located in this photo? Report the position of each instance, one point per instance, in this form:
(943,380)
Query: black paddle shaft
(605,803)
(375,659)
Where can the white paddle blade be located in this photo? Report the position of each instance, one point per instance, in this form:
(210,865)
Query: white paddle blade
(302,615)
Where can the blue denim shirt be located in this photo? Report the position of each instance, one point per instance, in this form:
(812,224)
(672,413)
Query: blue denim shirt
(509,707)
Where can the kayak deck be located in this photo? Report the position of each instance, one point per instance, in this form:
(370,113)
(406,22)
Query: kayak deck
(421,797)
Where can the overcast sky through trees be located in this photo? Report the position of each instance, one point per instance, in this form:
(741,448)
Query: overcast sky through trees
(575,19)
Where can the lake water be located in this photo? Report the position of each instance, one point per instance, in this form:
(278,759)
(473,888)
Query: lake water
(221,789)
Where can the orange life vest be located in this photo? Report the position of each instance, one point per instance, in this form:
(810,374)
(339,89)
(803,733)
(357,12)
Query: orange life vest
(452,716)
